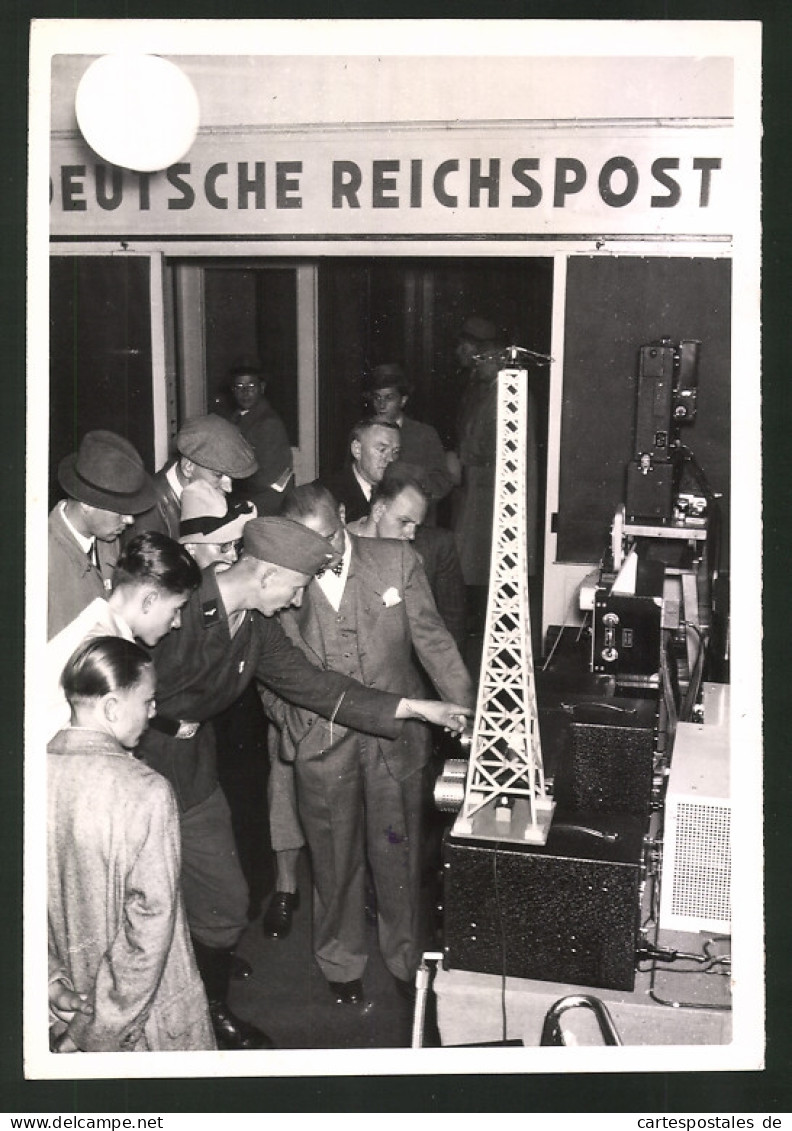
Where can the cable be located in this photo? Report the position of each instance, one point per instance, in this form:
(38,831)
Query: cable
(504,1025)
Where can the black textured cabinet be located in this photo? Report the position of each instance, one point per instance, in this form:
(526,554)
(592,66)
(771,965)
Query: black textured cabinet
(608,760)
(567,911)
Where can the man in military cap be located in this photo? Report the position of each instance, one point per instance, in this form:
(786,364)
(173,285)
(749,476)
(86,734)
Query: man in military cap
(210,449)
(228,638)
(106,485)
(387,392)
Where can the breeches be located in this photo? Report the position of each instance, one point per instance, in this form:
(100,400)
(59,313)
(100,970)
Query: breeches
(214,888)
(353,809)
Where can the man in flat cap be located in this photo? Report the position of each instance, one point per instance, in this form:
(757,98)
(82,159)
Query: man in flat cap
(263,429)
(387,392)
(210,449)
(228,637)
(106,485)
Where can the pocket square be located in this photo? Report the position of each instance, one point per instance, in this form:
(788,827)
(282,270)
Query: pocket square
(391,597)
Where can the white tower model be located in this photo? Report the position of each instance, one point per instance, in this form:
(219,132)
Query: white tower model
(505,797)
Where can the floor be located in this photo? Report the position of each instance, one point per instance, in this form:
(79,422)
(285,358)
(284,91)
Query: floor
(288,998)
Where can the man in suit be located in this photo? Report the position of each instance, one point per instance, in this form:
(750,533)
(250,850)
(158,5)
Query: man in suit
(360,798)
(227,639)
(106,485)
(387,392)
(373,444)
(399,504)
(210,449)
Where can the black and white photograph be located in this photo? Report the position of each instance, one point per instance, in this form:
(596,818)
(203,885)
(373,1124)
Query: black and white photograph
(394,467)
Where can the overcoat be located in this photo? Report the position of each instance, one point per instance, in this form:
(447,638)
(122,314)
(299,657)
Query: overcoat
(116,922)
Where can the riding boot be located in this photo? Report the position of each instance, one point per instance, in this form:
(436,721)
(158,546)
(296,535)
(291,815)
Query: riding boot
(231,1032)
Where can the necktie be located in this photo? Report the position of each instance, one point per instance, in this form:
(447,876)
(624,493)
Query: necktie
(93,555)
(337,569)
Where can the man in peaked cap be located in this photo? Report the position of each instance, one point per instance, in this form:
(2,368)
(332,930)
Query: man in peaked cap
(210,449)
(106,485)
(228,638)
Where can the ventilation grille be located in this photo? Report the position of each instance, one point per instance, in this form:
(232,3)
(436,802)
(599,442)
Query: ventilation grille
(696,877)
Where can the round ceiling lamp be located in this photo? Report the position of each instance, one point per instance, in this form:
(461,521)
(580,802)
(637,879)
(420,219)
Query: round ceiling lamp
(137,111)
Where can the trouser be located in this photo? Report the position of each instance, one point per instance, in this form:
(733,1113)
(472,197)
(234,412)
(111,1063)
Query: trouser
(352,808)
(286,832)
(214,888)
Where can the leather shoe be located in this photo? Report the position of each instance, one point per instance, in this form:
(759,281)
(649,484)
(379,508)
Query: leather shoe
(240,969)
(348,993)
(277,920)
(231,1032)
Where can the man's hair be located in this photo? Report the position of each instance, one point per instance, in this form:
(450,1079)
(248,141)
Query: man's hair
(101,665)
(396,478)
(358,430)
(307,500)
(156,559)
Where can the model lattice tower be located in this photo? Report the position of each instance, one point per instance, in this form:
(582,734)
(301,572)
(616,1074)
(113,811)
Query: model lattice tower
(505,797)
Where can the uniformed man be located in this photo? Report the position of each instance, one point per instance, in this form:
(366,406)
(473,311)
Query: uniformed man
(227,639)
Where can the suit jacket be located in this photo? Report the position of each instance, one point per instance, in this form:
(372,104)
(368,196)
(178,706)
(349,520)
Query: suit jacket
(347,490)
(73,581)
(394,614)
(117,928)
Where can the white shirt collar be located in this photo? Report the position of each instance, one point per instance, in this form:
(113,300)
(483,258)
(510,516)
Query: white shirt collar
(332,584)
(365,486)
(173,479)
(85,543)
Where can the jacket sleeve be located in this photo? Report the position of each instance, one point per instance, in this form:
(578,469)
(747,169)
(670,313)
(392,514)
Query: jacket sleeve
(432,641)
(129,973)
(285,670)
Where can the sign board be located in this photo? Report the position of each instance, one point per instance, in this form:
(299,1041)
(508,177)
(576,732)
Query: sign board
(517,180)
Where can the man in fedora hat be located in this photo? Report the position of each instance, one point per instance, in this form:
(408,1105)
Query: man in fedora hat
(106,485)
(387,392)
(229,637)
(210,449)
